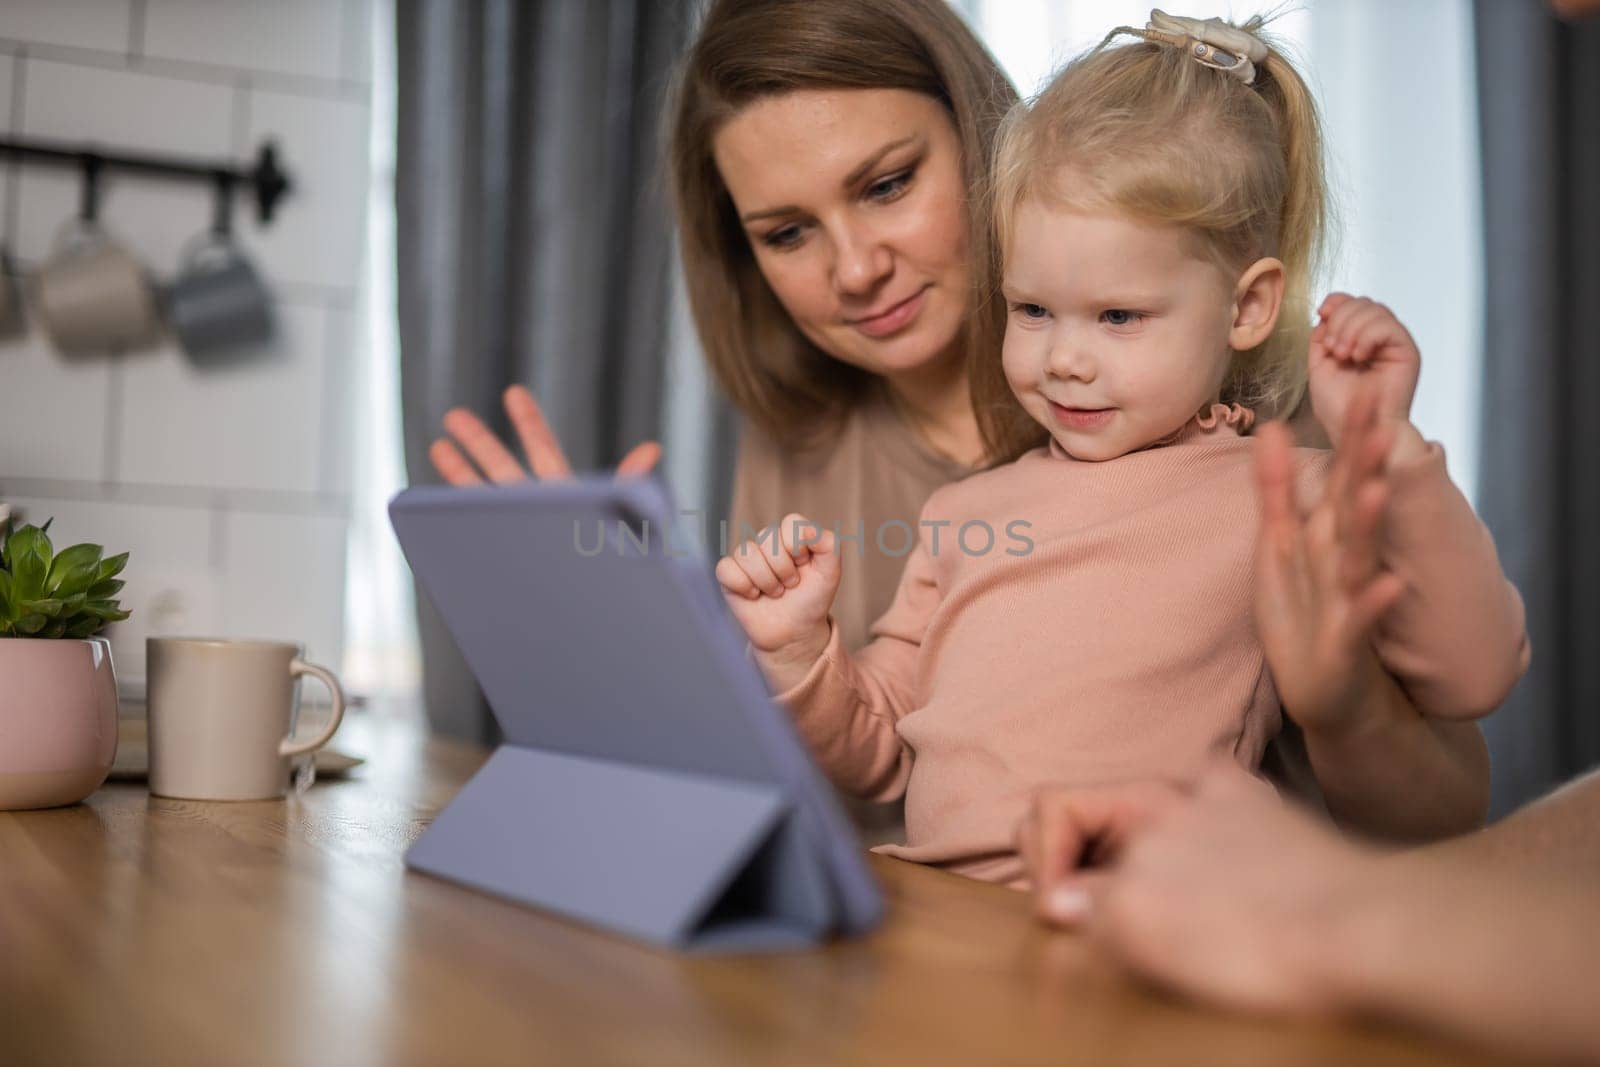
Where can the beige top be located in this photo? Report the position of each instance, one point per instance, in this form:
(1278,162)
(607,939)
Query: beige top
(867,483)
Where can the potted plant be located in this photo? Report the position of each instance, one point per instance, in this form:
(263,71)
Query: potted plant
(58,693)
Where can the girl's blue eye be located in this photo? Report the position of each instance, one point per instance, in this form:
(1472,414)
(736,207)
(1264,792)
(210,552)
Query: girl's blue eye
(1120,317)
(1031,311)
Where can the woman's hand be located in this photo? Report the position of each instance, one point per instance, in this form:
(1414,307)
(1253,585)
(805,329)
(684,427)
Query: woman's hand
(1233,897)
(780,587)
(1359,343)
(539,444)
(1320,587)
(1238,900)
(1071,830)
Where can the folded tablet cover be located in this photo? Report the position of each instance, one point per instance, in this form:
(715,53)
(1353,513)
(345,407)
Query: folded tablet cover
(654,787)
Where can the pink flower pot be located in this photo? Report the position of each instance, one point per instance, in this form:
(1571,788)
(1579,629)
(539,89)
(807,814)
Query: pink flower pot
(58,720)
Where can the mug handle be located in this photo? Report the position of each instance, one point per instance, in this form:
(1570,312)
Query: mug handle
(203,245)
(298,667)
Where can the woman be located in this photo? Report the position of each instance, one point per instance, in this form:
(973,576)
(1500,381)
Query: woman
(824,156)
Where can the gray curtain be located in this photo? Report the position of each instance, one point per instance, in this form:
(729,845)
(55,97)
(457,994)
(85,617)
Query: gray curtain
(1539,102)
(533,236)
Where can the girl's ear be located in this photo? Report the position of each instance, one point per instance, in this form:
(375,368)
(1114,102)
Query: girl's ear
(1257,299)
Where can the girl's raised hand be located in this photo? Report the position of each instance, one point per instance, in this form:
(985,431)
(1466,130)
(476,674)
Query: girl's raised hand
(1359,343)
(780,587)
(539,444)
(1320,586)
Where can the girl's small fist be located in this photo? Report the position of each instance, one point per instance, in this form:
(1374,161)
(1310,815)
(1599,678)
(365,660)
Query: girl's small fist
(781,585)
(1360,340)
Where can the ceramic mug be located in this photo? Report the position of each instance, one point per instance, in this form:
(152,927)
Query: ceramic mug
(218,301)
(222,715)
(93,295)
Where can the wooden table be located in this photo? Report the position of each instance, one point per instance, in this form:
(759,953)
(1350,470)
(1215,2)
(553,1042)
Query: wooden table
(135,929)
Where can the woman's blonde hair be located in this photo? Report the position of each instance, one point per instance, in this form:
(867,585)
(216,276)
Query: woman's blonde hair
(1144,129)
(748,50)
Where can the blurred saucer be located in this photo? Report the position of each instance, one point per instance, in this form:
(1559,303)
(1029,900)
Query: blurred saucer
(133,755)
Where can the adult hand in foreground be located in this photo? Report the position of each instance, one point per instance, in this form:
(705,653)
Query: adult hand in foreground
(1232,897)
(1071,831)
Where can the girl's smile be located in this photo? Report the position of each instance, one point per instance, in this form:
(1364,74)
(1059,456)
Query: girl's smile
(1081,418)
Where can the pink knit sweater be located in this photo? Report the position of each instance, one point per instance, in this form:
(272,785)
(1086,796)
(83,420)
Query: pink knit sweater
(1123,644)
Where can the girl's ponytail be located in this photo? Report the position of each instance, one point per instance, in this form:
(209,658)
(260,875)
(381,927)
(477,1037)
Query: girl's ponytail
(1303,224)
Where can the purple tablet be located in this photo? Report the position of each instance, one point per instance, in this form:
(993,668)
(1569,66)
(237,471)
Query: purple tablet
(647,783)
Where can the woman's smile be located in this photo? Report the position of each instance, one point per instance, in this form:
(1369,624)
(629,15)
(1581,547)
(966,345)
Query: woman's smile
(893,319)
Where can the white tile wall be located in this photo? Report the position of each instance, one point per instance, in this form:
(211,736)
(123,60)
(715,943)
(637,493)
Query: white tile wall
(355,41)
(126,108)
(54,412)
(227,485)
(285,36)
(337,398)
(98,24)
(285,580)
(317,236)
(252,424)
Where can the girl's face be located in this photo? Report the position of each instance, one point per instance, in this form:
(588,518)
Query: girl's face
(1116,331)
(853,203)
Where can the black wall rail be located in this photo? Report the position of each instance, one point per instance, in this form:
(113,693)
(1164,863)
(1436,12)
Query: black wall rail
(265,180)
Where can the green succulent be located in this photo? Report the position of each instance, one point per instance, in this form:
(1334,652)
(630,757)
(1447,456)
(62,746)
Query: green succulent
(44,593)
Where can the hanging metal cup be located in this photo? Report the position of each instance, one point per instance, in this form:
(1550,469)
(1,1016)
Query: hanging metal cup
(218,303)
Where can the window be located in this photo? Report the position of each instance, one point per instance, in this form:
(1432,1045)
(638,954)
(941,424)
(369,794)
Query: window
(381,654)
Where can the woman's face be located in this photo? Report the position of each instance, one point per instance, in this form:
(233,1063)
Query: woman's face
(853,203)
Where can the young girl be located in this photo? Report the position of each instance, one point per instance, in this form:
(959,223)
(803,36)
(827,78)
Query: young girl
(1084,614)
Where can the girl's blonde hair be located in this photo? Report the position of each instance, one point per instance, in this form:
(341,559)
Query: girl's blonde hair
(748,50)
(1144,129)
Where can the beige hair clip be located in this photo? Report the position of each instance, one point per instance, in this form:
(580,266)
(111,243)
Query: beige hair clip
(1211,42)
